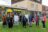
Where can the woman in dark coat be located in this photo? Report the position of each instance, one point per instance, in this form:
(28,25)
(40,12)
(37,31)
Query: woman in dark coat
(11,21)
(24,20)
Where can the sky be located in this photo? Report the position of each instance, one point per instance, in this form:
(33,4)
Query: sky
(5,2)
(8,2)
(45,2)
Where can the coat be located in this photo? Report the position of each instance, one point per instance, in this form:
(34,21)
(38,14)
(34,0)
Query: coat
(30,18)
(24,19)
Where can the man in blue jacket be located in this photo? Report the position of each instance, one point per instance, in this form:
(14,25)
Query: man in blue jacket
(30,20)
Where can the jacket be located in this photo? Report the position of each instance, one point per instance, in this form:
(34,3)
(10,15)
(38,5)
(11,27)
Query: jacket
(44,18)
(30,18)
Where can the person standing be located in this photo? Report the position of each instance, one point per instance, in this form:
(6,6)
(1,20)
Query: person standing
(27,17)
(24,21)
(30,20)
(37,20)
(4,20)
(43,20)
(11,21)
(16,19)
(8,19)
(20,16)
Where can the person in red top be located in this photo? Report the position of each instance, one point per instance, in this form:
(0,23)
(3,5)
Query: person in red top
(37,20)
(44,20)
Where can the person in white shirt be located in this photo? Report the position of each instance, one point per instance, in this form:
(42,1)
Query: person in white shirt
(16,19)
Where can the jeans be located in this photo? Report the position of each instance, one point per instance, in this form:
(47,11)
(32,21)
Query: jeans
(30,23)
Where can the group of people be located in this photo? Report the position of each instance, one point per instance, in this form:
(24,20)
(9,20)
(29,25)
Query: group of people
(10,20)
(29,19)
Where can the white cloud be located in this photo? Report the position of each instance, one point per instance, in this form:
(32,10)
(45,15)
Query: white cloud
(45,2)
(5,2)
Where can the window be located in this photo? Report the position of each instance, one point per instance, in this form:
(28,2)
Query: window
(14,1)
(39,1)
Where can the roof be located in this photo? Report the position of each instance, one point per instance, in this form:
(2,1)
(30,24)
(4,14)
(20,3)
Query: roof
(28,5)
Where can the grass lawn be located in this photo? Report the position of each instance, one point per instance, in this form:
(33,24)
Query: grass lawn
(27,29)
